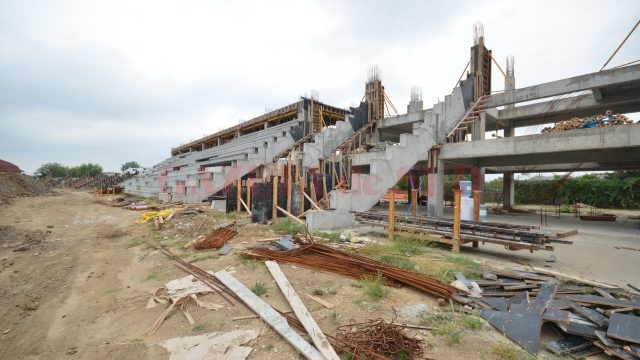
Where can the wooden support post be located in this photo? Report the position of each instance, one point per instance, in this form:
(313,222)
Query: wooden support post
(302,181)
(274,207)
(325,196)
(414,202)
(476,206)
(248,202)
(456,221)
(312,191)
(289,183)
(392,210)
(476,211)
(239,196)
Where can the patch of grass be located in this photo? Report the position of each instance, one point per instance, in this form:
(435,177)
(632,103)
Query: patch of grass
(112,290)
(466,266)
(152,276)
(449,331)
(334,317)
(259,288)
(472,322)
(374,287)
(178,243)
(335,237)
(507,351)
(287,226)
(318,292)
(134,242)
(325,291)
(408,245)
(268,347)
(136,342)
(204,256)
(375,249)
(198,328)
(249,262)
(399,261)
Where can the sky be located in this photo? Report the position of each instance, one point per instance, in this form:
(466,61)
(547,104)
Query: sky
(114,81)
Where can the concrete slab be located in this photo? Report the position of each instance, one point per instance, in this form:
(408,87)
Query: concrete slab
(318,220)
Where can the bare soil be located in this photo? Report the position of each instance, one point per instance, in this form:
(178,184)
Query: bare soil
(80,291)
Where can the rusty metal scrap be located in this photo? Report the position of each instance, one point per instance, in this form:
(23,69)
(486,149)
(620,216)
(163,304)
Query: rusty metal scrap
(380,337)
(217,238)
(318,256)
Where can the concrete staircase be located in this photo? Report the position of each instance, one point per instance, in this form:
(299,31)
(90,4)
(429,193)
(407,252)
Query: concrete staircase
(388,166)
(324,143)
(385,169)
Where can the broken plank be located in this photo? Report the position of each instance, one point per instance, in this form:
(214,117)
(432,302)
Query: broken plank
(289,215)
(322,302)
(309,324)
(498,303)
(624,327)
(567,345)
(599,300)
(607,341)
(269,315)
(556,316)
(569,277)
(567,233)
(591,314)
(521,327)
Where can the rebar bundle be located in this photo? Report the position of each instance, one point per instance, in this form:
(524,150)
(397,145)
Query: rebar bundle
(318,256)
(380,337)
(217,238)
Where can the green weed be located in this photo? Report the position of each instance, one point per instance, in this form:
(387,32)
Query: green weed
(259,288)
(507,351)
(198,328)
(374,287)
(152,276)
(449,331)
(408,246)
(287,226)
(472,322)
(398,261)
(335,237)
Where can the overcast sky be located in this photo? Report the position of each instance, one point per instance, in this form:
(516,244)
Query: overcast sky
(114,81)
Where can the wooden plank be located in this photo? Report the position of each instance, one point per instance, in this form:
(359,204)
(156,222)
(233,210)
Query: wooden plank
(312,202)
(599,300)
(244,204)
(274,199)
(289,215)
(555,315)
(590,314)
(269,315)
(624,327)
(456,221)
(314,331)
(289,183)
(392,218)
(238,195)
(567,234)
(322,302)
(569,277)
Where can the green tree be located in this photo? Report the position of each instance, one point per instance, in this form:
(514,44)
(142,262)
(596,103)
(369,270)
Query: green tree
(54,169)
(129,165)
(87,169)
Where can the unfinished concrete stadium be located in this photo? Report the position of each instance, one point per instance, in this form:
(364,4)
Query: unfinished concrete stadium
(349,159)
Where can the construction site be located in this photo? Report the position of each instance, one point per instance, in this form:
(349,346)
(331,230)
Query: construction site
(321,232)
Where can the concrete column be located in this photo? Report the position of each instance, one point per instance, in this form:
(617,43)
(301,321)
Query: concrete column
(508,185)
(508,190)
(435,185)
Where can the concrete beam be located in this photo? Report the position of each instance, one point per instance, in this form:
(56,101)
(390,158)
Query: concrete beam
(613,144)
(564,109)
(565,86)
(565,167)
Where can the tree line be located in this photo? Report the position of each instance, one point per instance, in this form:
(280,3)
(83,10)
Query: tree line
(58,170)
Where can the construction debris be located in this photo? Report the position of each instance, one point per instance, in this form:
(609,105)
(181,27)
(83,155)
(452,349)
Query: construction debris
(589,123)
(318,256)
(606,322)
(218,237)
(216,345)
(180,292)
(380,338)
(150,215)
